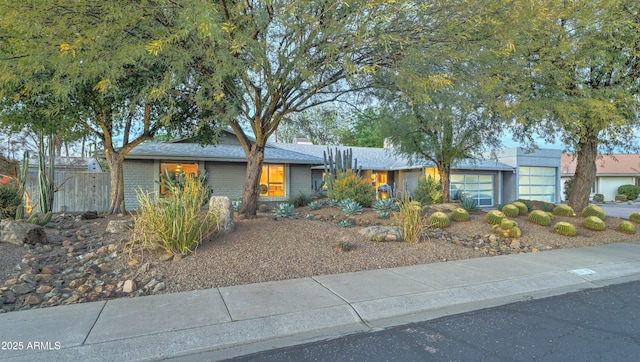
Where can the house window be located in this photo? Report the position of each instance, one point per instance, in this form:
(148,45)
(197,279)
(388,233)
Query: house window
(177,171)
(272,181)
(537,183)
(478,187)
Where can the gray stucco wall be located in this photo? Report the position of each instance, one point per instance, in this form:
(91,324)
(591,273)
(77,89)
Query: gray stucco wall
(137,174)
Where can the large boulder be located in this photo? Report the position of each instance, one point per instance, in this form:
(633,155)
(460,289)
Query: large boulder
(382,233)
(19,233)
(222,206)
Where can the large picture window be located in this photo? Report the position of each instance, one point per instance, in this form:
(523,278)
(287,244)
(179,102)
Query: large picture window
(177,171)
(478,187)
(537,183)
(272,181)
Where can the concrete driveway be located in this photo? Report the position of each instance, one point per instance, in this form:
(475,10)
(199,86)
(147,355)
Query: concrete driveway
(622,210)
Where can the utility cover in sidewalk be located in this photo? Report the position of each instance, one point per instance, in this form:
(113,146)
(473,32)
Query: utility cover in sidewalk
(582,271)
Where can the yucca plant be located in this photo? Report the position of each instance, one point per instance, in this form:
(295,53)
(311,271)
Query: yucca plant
(459,214)
(593,210)
(385,205)
(565,228)
(439,220)
(494,217)
(564,210)
(626,227)
(285,210)
(593,223)
(540,217)
(510,210)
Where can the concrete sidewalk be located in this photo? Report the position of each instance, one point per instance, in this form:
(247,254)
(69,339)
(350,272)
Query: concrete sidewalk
(226,322)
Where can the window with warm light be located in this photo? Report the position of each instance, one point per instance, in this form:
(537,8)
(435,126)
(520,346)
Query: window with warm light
(272,181)
(177,171)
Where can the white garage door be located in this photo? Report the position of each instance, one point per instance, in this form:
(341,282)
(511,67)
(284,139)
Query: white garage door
(478,187)
(537,183)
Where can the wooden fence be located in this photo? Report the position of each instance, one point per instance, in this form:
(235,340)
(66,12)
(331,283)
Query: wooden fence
(77,191)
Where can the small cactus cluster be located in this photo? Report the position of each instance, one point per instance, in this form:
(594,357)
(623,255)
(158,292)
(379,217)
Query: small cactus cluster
(285,210)
(593,223)
(35,219)
(627,227)
(314,205)
(540,217)
(522,207)
(350,207)
(494,217)
(507,229)
(510,210)
(564,210)
(385,205)
(635,217)
(459,214)
(565,228)
(593,210)
(439,220)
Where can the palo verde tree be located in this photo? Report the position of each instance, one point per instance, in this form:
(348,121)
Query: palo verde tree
(577,75)
(89,58)
(255,62)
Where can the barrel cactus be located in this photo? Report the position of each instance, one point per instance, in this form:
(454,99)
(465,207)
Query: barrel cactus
(494,217)
(593,223)
(439,220)
(510,210)
(459,214)
(593,210)
(635,217)
(507,224)
(522,207)
(565,228)
(540,217)
(626,227)
(507,229)
(564,210)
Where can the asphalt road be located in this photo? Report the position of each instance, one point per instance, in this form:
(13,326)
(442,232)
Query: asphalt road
(592,325)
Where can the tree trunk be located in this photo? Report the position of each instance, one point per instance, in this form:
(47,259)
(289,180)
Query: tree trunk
(116,197)
(585,175)
(443,173)
(251,189)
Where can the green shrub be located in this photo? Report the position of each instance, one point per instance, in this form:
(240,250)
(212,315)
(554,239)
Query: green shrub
(494,217)
(428,192)
(593,210)
(564,210)
(175,223)
(598,198)
(510,210)
(411,220)
(285,210)
(439,220)
(626,227)
(631,191)
(300,199)
(593,223)
(635,217)
(459,214)
(539,217)
(385,205)
(620,198)
(349,186)
(10,199)
(565,228)
(522,207)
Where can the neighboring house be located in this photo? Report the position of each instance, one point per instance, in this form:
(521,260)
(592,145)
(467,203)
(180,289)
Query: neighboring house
(612,171)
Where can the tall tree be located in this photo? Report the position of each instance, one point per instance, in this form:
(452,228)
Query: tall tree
(364,129)
(577,75)
(255,62)
(320,125)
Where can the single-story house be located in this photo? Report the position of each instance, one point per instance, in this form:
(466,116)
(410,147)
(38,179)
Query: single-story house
(290,168)
(612,171)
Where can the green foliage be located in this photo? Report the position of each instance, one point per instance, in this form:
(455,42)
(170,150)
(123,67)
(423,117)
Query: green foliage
(385,205)
(263,208)
(459,214)
(383,214)
(522,207)
(507,224)
(526,203)
(494,217)
(626,227)
(564,210)
(309,216)
(598,198)
(345,246)
(593,223)
(507,229)
(620,197)
(510,210)
(350,207)
(35,219)
(547,207)
(568,186)
(439,220)
(540,217)
(428,192)
(175,223)
(46,183)
(331,202)
(314,205)
(350,186)
(300,199)
(411,220)
(285,210)
(565,228)
(469,204)
(237,204)
(635,217)
(593,210)
(631,191)
(10,200)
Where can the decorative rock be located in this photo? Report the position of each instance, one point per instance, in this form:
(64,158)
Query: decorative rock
(88,215)
(166,257)
(222,206)
(32,299)
(129,286)
(23,288)
(119,226)
(382,233)
(21,233)
(44,289)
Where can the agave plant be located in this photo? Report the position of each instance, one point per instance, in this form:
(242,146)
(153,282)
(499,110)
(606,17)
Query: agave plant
(385,205)
(383,214)
(237,205)
(314,205)
(345,223)
(469,204)
(351,208)
(309,216)
(285,210)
